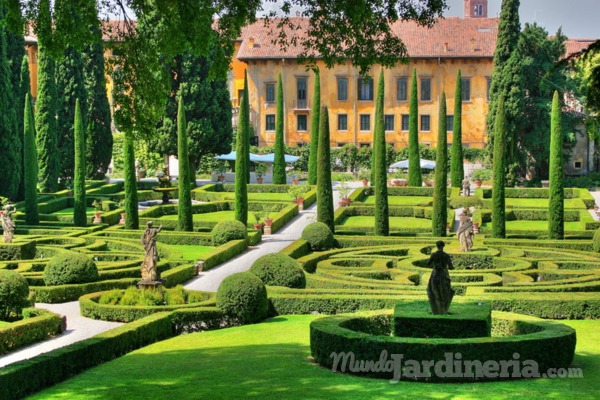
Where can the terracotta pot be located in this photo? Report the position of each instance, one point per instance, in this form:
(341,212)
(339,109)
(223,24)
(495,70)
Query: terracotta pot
(365,182)
(258,227)
(97,217)
(345,201)
(221,178)
(295,181)
(259,180)
(268,221)
(300,202)
(477,184)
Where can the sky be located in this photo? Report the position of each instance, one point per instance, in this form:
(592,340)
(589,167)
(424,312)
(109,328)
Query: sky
(578,18)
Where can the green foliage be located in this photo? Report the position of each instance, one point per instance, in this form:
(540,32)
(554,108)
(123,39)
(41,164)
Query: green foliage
(225,231)
(596,241)
(37,325)
(314,130)
(498,193)
(69,268)
(131,196)
(98,131)
(556,224)
(278,269)
(31,167)
(241,162)
(279,177)
(439,216)
(319,236)
(457,168)
(244,297)
(184,204)
(382,222)
(414,163)
(80,204)
(14,291)
(324,189)
(481,174)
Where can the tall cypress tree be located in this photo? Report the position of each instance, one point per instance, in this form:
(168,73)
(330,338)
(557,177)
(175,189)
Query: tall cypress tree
(314,131)
(382,221)
(15,54)
(45,106)
(10,141)
(241,161)
(132,220)
(439,217)
(24,90)
(184,207)
(99,135)
(80,205)
(324,190)
(31,169)
(279,161)
(457,168)
(414,159)
(556,223)
(70,88)
(509,29)
(499,171)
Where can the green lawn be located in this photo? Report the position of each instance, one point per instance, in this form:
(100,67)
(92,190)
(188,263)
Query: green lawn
(543,203)
(404,200)
(395,222)
(254,196)
(271,360)
(536,226)
(187,252)
(216,216)
(69,211)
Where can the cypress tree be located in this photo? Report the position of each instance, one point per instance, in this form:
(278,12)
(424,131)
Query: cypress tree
(184,207)
(314,131)
(279,157)
(99,136)
(10,141)
(45,106)
(80,205)
(132,220)
(70,89)
(556,223)
(241,160)
(457,168)
(15,53)
(31,169)
(439,217)
(414,159)
(499,171)
(382,222)
(324,190)
(24,90)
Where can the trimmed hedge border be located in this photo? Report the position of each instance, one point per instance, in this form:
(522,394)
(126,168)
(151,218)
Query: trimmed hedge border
(64,293)
(17,251)
(37,325)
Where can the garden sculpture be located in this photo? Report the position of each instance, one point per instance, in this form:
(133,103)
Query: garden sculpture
(439,290)
(8,225)
(465,233)
(149,266)
(466,186)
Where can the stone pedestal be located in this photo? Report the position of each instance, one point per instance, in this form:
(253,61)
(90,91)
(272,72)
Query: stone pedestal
(267,230)
(147,284)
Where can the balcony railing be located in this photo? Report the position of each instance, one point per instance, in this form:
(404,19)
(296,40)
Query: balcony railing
(301,105)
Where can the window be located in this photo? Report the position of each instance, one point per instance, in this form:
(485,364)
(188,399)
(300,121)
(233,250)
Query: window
(449,123)
(270,122)
(465,85)
(405,122)
(425,123)
(402,89)
(240,97)
(341,144)
(577,165)
(301,92)
(389,122)
(365,122)
(478,10)
(270,93)
(364,144)
(489,85)
(342,84)
(301,124)
(342,122)
(365,89)
(425,89)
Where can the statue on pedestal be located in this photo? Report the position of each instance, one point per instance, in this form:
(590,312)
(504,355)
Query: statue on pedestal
(8,225)
(466,187)
(439,289)
(465,233)
(149,266)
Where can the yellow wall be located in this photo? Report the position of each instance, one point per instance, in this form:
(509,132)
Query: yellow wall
(442,73)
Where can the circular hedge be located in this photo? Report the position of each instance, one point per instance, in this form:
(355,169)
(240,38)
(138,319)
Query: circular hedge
(319,236)
(13,294)
(69,268)
(244,297)
(596,241)
(225,231)
(279,270)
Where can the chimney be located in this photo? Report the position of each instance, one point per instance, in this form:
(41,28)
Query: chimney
(251,42)
(446,47)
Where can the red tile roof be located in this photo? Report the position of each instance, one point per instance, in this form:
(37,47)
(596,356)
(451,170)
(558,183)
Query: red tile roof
(577,45)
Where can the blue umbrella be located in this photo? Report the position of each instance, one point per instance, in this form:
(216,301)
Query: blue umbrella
(270,158)
(427,164)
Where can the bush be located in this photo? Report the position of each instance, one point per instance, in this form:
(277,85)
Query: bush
(13,294)
(244,297)
(225,231)
(69,268)
(319,236)
(596,241)
(279,270)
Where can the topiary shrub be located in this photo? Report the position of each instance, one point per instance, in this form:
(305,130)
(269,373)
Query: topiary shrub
(319,236)
(596,241)
(70,268)
(225,231)
(277,269)
(13,294)
(244,297)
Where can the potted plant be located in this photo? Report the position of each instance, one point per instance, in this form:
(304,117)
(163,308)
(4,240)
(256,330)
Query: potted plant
(344,191)
(294,175)
(221,173)
(267,209)
(123,214)
(480,175)
(364,176)
(260,169)
(97,204)
(258,215)
(296,192)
